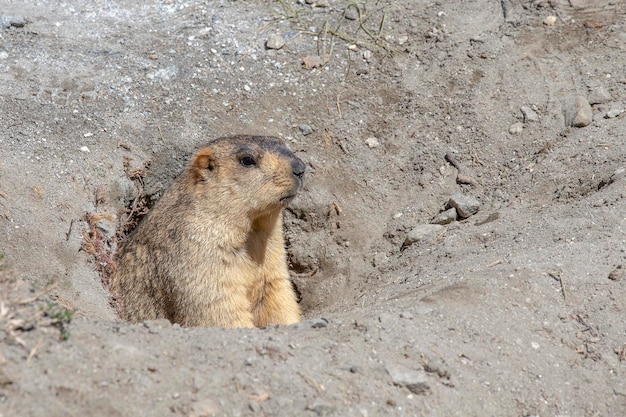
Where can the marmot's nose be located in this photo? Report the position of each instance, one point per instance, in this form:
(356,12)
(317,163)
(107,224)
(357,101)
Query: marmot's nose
(298,167)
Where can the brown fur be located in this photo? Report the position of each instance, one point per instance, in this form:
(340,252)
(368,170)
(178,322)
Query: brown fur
(211,252)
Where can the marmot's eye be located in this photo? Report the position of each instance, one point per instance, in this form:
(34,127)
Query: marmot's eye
(247,161)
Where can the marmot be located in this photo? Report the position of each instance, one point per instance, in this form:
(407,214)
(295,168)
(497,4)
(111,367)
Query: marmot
(211,252)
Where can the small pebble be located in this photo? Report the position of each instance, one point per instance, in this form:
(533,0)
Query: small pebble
(84,149)
(420,232)
(367,55)
(529,114)
(599,96)
(549,20)
(614,111)
(415,381)
(516,128)
(577,112)
(305,129)
(352,14)
(274,41)
(617,274)
(8,21)
(445,217)
(372,142)
(88,135)
(4,54)
(465,205)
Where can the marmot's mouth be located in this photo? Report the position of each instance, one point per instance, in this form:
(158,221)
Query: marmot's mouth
(287,198)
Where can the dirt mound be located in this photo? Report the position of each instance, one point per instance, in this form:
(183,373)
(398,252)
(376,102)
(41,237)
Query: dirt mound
(458,249)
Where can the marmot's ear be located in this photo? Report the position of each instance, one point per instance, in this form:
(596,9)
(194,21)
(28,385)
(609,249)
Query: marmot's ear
(203,161)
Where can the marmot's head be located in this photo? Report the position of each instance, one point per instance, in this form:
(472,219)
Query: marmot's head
(254,173)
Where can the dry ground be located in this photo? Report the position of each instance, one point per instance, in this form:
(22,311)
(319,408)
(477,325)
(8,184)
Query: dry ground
(517,310)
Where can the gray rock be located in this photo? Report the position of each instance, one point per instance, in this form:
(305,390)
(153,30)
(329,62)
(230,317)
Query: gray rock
(529,114)
(577,112)
(445,217)
(372,142)
(422,231)
(599,96)
(415,381)
(8,21)
(274,41)
(614,111)
(305,129)
(516,128)
(352,13)
(465,205)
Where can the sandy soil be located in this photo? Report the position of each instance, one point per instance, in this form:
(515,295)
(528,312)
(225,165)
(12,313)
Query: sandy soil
(516,310)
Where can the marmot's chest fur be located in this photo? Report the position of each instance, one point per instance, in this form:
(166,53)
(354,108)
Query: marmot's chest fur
(211,252)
